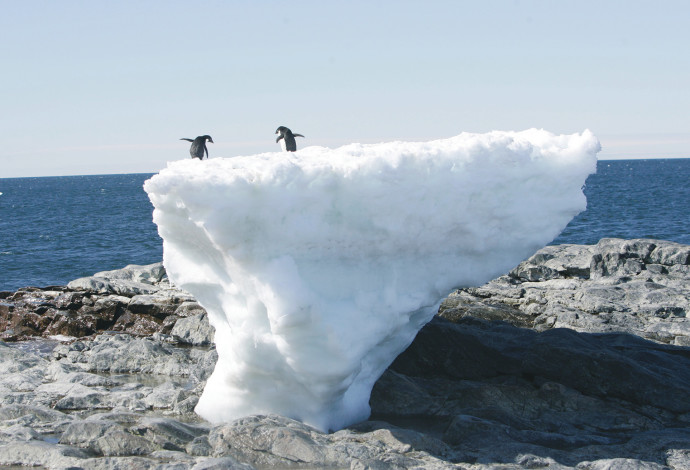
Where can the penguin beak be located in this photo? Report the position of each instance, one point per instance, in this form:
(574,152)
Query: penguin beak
(211,140)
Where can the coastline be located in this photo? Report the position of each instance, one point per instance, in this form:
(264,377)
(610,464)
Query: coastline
(578,357)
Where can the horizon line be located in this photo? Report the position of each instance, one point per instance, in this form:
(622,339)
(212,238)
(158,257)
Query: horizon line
(155,172)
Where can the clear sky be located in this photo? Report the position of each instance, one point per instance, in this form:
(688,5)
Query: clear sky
(98,87)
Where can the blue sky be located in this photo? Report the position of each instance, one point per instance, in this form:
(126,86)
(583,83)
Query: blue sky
(93,87)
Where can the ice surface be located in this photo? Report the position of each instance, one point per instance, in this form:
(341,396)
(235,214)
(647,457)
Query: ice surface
(319,267)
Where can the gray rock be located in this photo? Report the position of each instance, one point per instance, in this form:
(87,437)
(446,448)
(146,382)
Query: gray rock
(38,453)
(154,305)
(130,281)
(272,441)
(102,285)
(119,463)
(204,366)
(186,405)
(640,287)
(559,364)
(24,381)
(173,459)
(18,433)
(146,274)
(70,396)
(614,256)
(84,433)
(620,464)
(120,442)
(13,360)
(199,446)
(678,459)
(126,354)
(556,262)
(194,330)
(276,441)
(499,391)
(189,308)
(168,433)
(106,438)
(165,396)
(124,418)
(29,414)
(221,463)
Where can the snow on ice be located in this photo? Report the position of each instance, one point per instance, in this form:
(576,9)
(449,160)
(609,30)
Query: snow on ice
(319,267)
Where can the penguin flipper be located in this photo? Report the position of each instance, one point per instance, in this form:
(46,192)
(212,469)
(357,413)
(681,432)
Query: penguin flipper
(298,135)
(188,140)
(278,138)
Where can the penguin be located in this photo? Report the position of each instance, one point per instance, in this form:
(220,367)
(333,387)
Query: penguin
(288,143)
(199,146)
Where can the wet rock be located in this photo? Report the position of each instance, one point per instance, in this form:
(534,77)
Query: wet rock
(70,323)
(156,306)
(135,299)
(137,324)
(107,309)
(18,322)
(69,300)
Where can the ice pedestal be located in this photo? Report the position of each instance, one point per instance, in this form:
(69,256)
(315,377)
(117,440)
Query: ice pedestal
(318,267)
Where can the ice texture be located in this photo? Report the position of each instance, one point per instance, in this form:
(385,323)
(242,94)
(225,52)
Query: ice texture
(318,267)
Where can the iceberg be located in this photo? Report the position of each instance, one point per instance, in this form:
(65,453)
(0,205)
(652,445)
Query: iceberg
(318,267)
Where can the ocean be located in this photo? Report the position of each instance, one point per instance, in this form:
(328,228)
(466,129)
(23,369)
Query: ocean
(56,229)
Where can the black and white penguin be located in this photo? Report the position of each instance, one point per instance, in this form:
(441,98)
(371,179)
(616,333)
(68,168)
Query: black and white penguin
(199,146)
(288,143)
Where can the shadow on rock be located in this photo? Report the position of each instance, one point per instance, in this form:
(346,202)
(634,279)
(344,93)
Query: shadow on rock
(494,392)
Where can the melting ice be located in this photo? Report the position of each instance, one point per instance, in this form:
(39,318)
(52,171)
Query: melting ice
(319,267)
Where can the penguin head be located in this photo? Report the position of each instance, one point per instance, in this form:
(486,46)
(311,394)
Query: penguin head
(282,130)
(207,137)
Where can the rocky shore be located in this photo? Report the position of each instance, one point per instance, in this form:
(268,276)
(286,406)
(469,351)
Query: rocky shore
(577,358)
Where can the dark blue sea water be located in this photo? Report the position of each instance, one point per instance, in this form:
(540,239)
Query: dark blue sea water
(634,199)
(56,229)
